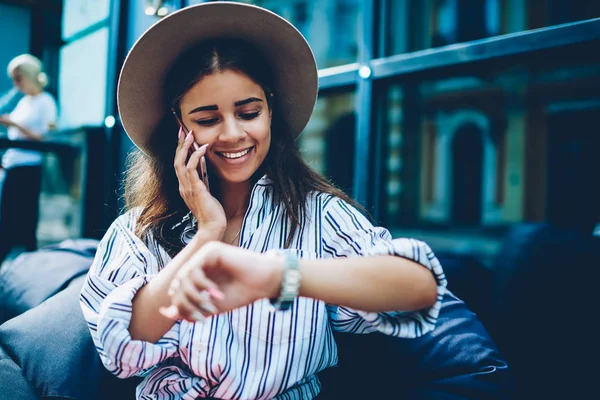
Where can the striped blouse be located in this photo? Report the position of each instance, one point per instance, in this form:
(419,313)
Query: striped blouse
(251,352)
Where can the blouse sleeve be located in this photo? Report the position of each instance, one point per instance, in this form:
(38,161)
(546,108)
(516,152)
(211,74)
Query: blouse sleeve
(347,233)
(123,264)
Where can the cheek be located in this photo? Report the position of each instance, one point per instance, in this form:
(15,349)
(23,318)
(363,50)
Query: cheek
(260,131)
(204,135)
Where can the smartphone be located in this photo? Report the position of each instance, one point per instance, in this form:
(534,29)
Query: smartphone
(195,146)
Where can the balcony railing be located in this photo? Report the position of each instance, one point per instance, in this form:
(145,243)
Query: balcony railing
(74,194)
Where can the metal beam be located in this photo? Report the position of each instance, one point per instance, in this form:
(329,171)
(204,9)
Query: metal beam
(336,77)
(363,107)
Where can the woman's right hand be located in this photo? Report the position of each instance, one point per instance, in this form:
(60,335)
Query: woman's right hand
(206,209)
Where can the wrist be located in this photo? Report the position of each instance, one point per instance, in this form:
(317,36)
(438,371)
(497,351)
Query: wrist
(209,232)
(288,282)
(275,264)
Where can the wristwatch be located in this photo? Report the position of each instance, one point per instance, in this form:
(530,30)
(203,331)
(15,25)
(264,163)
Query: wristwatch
(290,284)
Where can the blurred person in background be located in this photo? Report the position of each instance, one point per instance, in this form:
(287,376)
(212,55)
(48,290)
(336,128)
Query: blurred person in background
(20,173)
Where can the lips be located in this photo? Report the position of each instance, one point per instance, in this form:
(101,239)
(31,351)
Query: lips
(234,155)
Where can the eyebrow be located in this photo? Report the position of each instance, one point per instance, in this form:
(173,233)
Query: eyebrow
(214,107)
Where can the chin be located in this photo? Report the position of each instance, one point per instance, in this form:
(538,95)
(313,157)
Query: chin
(237,177)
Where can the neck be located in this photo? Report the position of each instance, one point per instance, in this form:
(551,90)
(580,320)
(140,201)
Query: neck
(33,92)
(234,198)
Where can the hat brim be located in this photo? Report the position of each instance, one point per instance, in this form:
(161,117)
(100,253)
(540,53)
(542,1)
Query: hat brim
(140,96)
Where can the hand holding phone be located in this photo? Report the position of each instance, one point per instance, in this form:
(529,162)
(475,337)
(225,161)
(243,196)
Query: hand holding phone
(195,146)
(190,168)
(203,171)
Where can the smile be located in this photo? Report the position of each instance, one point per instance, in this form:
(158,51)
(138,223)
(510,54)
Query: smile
(233,156)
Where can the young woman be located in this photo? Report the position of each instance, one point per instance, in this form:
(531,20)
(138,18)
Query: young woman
(231,289)
(32,118)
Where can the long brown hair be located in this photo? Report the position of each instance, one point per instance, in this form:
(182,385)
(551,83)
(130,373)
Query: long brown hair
(151,182)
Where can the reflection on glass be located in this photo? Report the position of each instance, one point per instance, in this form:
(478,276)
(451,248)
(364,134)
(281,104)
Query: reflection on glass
(330,26)
(419,25)
(61,198)
(81,14)
(467,153)
(83,65)
(327,143)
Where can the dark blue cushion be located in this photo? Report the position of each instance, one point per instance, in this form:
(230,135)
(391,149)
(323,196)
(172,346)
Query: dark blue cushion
(544,303)
(13,384)
(458,360)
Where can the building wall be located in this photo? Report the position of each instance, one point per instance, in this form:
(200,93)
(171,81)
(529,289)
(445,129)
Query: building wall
(15,33)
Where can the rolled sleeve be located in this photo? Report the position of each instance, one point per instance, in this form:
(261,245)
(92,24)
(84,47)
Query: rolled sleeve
(123,265)
(347,233)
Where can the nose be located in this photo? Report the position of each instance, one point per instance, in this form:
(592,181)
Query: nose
(232,130)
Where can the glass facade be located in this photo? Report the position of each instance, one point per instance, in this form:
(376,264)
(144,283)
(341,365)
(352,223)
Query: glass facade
(487,151)
(327,143)
(419,25)
(472,121)
(330,26)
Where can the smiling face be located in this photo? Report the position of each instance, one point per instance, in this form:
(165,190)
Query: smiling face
(229,111)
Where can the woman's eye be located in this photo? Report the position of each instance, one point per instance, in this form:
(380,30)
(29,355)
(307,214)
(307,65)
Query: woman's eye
(207,122)
(249,116)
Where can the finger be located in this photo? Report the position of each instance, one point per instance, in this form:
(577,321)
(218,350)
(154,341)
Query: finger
(180,137)
(187,310)
(192,164)
(200,299)
(175,285)
(196,181)
(180,166)
(202,149)
(216,293)
(170,312)
(201,282)
(182,152)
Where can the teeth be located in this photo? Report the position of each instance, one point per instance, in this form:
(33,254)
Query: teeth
(236,155)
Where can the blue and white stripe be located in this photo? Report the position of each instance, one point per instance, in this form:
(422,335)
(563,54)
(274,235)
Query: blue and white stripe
(251,352)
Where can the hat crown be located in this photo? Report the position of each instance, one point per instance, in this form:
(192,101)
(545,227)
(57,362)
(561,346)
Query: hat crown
(140,93)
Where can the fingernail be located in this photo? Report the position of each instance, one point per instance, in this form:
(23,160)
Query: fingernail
(204,296)
(198,316)
(188,137)
(180,133)
(169,312)
(208,306)
(216,293)
(196,146)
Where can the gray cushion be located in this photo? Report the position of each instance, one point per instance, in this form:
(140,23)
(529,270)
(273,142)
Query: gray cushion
(51,344)
(34,277)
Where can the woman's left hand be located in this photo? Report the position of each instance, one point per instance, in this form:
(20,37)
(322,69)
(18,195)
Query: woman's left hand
(240,276)
(6,121)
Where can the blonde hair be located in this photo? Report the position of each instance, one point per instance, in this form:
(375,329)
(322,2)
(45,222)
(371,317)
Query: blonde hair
(30,67)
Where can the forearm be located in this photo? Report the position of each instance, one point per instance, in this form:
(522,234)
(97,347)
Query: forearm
(29,134)
(378,283)
(147,323)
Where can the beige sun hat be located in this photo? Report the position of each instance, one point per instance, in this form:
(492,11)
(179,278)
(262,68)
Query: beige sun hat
(140,94)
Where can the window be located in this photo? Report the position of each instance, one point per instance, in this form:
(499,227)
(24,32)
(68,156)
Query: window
(329,26)
(328,141)
(476,153)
